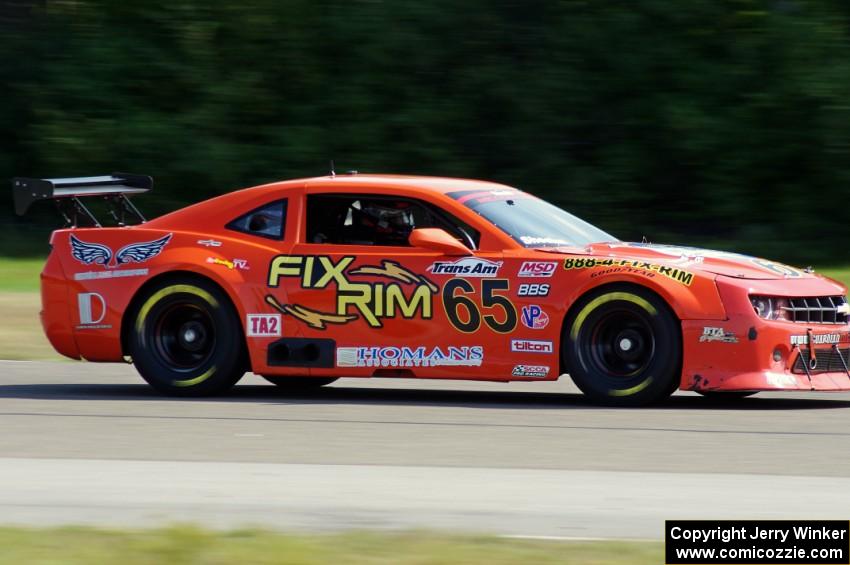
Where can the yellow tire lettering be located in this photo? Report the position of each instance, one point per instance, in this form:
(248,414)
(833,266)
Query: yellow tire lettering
(605,298)
(630,391)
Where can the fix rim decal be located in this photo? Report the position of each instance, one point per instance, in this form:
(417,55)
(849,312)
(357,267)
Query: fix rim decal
(680,275)
(406,295)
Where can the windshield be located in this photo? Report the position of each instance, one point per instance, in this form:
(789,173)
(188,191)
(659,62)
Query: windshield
(530,221)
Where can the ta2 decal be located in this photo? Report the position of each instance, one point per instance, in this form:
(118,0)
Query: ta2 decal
(263,325)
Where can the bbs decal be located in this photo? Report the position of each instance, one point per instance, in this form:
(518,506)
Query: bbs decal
(533,289)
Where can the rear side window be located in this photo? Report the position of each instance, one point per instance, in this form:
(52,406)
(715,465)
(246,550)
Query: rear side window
(269,220)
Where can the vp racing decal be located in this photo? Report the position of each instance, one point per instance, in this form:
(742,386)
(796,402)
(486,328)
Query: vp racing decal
(406,294)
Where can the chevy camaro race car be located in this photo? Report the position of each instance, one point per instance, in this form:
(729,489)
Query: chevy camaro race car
(306,281)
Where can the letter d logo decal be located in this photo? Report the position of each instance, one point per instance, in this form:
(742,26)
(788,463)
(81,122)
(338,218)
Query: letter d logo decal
(90,303)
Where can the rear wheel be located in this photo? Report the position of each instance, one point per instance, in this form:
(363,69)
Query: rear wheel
(300,383)
(623,346)
(186,339)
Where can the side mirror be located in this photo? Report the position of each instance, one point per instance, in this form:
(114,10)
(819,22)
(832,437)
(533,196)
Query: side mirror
(438,239)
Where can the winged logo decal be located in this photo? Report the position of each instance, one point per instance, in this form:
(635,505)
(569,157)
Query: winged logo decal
(99,254)
(90,253)
(141,252)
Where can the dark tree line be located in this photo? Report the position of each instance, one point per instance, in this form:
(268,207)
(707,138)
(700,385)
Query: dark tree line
(714,122)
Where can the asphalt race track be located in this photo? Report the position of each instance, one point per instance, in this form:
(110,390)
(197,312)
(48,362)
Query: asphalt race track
(92,444)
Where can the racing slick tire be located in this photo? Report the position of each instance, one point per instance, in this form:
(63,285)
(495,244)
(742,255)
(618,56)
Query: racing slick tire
(296,384)
(622,346)
(186,339)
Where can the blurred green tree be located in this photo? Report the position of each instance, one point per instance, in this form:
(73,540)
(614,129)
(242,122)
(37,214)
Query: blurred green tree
(716,122)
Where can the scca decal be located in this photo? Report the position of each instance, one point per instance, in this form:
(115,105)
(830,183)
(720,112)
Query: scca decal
(684,277)
(373,301)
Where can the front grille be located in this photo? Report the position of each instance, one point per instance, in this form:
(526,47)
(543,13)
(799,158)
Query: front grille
(818,310)
(828,360)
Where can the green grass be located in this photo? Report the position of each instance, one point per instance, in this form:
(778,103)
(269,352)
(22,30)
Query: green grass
(20,275)
(188,545)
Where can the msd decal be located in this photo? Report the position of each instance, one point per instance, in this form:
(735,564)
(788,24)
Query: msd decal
(466,267)
(469,356)
(263,325)
(538,269)
(534,317)
(531,346)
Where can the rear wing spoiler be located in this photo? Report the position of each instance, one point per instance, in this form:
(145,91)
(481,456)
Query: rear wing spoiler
(66,192)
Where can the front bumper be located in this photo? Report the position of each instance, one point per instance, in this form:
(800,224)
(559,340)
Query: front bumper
(748,353)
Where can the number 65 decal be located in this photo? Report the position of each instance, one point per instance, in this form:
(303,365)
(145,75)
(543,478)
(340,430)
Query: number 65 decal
(465,315)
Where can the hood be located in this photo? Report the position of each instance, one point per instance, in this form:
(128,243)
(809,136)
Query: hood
(693,259)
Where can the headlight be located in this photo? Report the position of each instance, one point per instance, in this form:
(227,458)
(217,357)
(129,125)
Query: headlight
(770,308)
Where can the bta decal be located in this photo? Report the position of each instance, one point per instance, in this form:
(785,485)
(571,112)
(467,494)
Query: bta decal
(466,267)
(408,294)
(684,277)
(539,371)
(497,311)
(92,309)
(465,356)
(534,317)
(533,289)
(263,325)
(537,269)
(531,346)
(717,334)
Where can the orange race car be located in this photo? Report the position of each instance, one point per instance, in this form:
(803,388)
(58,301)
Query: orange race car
(306,281)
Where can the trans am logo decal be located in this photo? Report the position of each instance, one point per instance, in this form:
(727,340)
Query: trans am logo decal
(99,254)
(407,294)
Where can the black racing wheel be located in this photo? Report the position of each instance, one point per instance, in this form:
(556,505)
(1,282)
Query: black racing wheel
(296,384)
(186,339)
(623,346)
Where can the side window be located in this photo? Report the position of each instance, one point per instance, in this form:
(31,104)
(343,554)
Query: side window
(268,221)
(347,219)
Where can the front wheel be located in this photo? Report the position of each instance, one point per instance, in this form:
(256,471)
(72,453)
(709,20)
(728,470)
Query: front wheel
(186,339)
(623,346)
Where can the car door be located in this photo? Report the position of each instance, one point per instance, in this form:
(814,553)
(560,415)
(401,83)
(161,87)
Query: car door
(354,281)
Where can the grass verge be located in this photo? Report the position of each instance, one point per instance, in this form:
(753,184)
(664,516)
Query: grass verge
(191,545)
